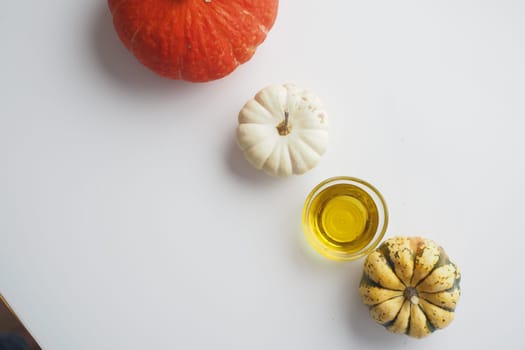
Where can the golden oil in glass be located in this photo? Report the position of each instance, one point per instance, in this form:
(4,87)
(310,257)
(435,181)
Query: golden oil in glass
(343,217)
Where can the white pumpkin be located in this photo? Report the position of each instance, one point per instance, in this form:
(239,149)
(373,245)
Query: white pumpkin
(283,130)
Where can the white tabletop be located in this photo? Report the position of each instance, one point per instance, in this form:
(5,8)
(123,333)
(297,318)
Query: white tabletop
(130,220)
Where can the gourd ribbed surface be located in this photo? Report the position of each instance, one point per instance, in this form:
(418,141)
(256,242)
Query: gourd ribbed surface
(195,40)
(283,130)
(410,286)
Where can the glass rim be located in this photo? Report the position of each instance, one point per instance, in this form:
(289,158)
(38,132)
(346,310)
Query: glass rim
(382,209)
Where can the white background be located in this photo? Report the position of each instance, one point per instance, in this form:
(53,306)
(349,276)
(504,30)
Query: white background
(130,220)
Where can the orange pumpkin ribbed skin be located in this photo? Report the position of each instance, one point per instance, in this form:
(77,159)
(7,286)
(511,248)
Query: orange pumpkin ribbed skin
(194,40)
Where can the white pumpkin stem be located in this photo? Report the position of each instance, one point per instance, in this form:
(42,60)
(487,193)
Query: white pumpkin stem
(283,128)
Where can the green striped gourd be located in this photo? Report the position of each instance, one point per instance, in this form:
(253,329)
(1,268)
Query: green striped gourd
(410,286)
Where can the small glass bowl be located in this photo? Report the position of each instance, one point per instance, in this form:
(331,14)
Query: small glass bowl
(371,204)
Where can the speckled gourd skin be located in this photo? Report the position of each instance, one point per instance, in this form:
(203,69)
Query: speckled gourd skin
(410,286)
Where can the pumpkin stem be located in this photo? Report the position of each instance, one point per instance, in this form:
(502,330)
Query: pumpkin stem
(411,295)
(283,128)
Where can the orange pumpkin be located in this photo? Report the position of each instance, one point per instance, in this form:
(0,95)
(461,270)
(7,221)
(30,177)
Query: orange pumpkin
(195,40)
